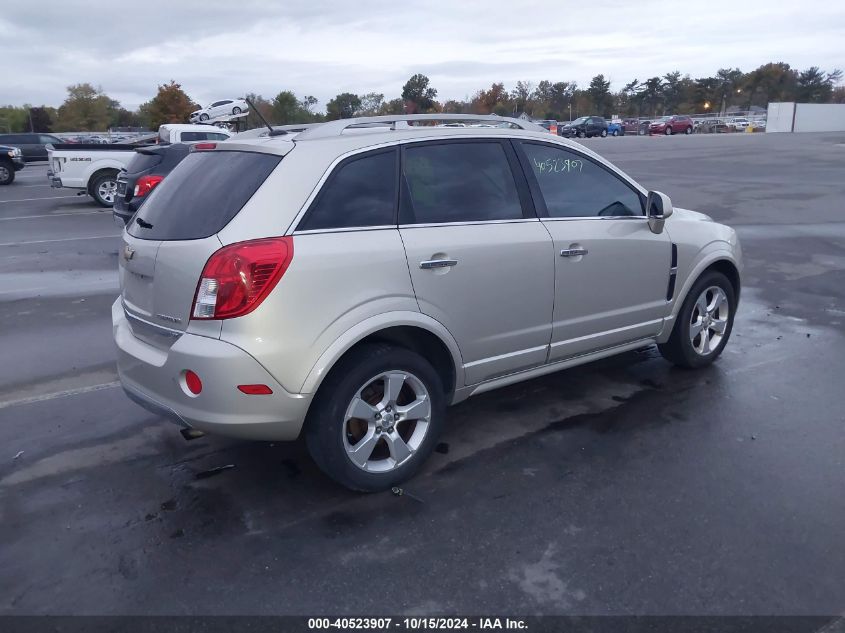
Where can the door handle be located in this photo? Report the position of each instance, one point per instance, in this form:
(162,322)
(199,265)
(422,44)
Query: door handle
(438,263)
(573,252)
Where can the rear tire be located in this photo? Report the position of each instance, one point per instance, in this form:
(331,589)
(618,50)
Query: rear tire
(688,130)
(7,173)
(615,132)
(604,133)
(379,445)
(104,189)
(686,349)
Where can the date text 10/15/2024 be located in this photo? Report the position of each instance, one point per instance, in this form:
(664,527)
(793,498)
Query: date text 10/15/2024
(414,624)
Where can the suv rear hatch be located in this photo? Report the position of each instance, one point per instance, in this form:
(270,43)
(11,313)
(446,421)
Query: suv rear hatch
(169,240)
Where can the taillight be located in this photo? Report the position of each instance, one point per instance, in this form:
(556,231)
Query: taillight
(204,146)
(238,277)
(146,184)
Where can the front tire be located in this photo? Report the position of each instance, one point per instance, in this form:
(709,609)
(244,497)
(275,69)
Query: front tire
(203,117)
(104,189)
(668,131)
(582,134)
(688,130)
(7,174)
(236,110)
(703,324)
(615,132)
(376,417)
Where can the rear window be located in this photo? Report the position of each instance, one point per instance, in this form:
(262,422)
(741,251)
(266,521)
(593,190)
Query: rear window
(142,162)
(202,136)
(201,195)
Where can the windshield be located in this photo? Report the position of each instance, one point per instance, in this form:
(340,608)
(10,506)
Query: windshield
(579,120)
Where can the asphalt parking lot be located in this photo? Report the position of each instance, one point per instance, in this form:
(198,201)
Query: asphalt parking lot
(622,487)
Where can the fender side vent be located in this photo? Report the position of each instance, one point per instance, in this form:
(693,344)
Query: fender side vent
(673,273)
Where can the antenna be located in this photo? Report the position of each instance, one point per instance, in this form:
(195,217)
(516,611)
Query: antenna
(263,120)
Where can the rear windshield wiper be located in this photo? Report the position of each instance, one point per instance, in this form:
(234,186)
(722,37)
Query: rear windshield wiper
(142,224)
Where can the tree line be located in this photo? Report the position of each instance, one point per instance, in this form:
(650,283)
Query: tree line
(87,108)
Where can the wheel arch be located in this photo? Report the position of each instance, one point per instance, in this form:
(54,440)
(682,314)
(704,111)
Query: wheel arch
(415,332)
(722,260)
(99,172)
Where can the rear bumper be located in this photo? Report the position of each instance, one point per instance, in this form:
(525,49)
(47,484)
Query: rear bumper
(154,378)
(124,210)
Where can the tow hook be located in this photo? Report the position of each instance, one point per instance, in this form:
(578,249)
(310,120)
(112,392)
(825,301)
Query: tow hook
(191,434)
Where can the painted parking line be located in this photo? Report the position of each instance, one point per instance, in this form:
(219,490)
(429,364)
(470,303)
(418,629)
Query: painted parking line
(59,394)
(64,239)
(31,199)
(52,215)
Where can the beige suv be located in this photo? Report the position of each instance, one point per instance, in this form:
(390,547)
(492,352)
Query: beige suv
(351,280)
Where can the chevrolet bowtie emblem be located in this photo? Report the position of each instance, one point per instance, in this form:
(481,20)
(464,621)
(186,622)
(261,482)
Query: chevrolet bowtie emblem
(128,252)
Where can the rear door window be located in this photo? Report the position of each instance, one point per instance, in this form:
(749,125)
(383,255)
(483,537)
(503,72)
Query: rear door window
(360,192)
(202,195)
(458,182)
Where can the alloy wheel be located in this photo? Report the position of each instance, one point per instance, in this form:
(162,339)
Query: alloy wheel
(107,191)
(386,421)
(709,320)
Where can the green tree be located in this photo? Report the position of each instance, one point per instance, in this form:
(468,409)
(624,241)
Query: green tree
(816,86)
(343,106)
(170,105)
(599,93)
(372,104)
(521,96)
(394,106)
(288,109)
(651,94)
(417,93)
(485,101)
(728,82)
(40,120)
(85,109)
(770,82)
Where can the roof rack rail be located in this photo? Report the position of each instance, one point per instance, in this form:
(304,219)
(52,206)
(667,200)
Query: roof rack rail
(336,128)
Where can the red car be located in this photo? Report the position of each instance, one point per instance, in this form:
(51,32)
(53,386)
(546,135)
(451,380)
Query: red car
(675,124)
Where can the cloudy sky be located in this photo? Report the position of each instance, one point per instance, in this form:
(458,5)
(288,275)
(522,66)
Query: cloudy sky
(225,49)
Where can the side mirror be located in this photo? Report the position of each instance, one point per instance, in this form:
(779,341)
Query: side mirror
(658,208)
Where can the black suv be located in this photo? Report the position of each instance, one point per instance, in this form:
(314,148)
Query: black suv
(584,127)
(33,146)
(144,172)
(11,161)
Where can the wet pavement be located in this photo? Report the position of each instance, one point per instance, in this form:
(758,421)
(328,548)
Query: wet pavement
(623,487)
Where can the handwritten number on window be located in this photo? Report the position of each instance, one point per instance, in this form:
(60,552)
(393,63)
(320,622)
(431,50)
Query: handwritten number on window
(558,165)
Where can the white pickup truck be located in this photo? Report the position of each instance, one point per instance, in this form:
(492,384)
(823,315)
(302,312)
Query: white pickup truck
(93,168)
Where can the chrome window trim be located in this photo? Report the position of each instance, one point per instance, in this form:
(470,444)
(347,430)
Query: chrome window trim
(596,217)
(467,223)
(347,229)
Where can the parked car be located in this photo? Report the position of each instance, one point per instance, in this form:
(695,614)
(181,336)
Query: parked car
(585,127)
(143,173)
(616,128)
(11,162)
(550,125)
(220,108)
(668,125)
(94,167)
(740,123)
(283,285)
(33,146)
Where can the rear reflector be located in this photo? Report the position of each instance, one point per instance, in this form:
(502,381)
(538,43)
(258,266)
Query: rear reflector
(193,382)
(255,390)
(238,277)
